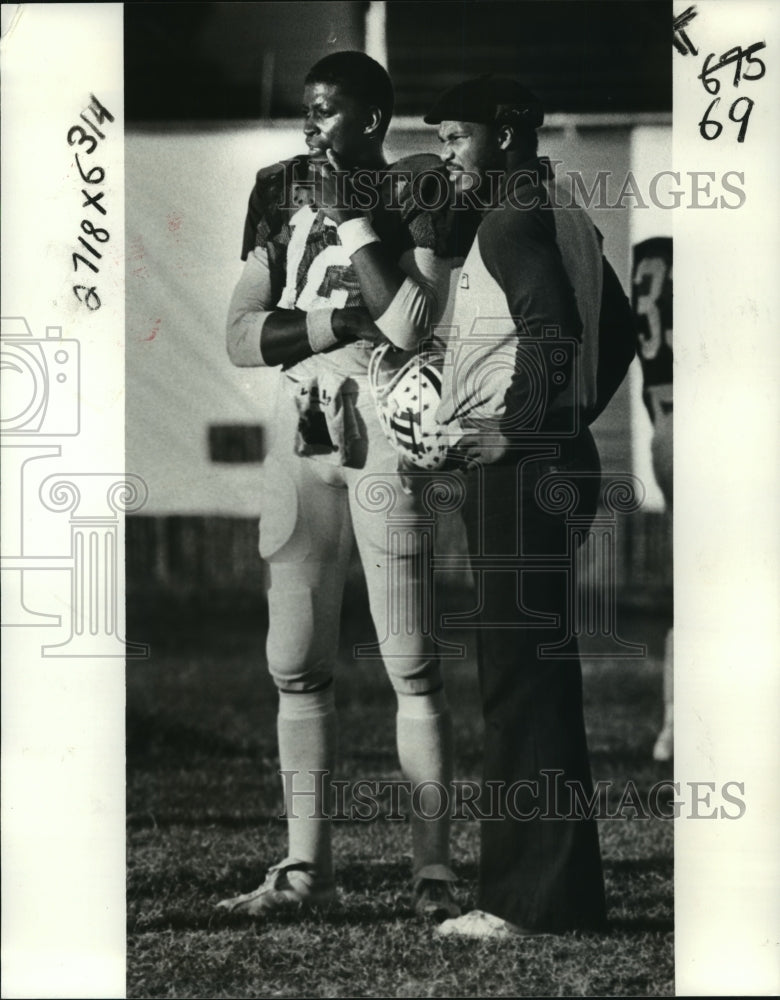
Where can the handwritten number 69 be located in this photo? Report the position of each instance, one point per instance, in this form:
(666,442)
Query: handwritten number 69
(710,128)
(743,117)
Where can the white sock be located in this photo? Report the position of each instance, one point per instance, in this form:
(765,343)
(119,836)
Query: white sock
(424,736)
(306,725)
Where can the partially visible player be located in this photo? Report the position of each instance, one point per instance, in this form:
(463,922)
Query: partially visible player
(325,281)
(652,304)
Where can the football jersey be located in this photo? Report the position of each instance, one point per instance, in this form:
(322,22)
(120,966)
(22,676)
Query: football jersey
(652,303)
(310,269)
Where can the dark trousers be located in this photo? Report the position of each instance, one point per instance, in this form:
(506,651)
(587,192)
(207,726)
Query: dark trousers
(538,869)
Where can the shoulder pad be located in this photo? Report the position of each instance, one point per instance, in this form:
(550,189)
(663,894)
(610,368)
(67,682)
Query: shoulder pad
(273,181)
(426,207)
(426,185)
(266,173)
(270,197)
(416,163)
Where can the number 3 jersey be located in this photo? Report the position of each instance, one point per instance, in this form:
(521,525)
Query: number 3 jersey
(652,304)
(295,259)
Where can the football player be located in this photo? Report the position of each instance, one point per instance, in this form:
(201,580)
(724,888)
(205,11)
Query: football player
(338,261)
(652,302)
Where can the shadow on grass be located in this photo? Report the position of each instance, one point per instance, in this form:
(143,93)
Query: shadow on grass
(372,892)
(641,925)
(203,804)
(633,866)
(353,913)
(630,758)
(183,818)
(214,920)
(381,876)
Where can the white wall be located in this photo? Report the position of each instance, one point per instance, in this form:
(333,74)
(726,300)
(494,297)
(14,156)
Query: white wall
(186,195)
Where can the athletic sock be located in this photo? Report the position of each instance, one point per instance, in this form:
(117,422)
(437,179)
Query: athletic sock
(306,726)
(424,736)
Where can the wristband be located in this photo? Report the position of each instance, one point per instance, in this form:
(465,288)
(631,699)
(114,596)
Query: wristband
(354,234)
(319,330)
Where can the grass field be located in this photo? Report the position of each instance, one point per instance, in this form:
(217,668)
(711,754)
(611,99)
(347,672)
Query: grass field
(203,807)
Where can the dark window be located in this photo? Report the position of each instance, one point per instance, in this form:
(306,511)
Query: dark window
(576,55)
(190,61)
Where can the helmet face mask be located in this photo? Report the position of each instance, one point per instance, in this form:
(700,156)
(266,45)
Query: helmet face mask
(406,403)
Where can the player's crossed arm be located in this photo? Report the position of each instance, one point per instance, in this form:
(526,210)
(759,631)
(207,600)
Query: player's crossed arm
(404,297)
(260,334)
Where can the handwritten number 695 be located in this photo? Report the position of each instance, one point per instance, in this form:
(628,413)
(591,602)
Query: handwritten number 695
(710,128)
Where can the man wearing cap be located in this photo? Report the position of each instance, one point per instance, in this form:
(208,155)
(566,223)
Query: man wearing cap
(542,336)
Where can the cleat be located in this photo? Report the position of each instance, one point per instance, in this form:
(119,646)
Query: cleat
(433,896)
(289,886)
(487,926)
